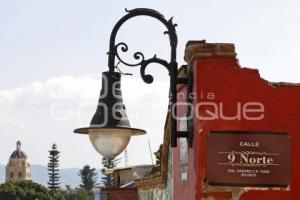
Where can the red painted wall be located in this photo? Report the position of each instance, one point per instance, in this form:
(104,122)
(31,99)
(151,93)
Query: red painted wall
(231,84)
(186,190)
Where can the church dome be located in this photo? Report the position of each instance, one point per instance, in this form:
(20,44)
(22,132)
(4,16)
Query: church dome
(17,167)
(18,153)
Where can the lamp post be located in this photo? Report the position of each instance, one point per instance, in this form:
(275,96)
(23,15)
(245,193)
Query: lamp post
(110,130)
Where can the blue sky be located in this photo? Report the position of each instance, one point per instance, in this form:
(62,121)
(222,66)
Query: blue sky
(52,54)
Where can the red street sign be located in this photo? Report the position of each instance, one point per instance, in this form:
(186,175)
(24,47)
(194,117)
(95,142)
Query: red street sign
(248,159)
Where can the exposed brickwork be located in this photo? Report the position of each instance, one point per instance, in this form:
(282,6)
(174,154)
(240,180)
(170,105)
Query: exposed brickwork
(120,193)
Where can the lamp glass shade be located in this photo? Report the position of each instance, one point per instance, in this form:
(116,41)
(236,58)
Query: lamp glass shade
(110,130)
(110,142)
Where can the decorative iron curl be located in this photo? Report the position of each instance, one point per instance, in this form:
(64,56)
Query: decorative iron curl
(171,65)
(147,78)
(171,32)
(144,10)
(124,48)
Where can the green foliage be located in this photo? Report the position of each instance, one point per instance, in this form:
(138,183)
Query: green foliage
(59,195)
(88,177)
(79,194)
(108,163)
(28,190)
(53,168)
(158,155)
(24,190)
(156,169)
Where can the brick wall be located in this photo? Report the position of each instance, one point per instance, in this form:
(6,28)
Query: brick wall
(119,193)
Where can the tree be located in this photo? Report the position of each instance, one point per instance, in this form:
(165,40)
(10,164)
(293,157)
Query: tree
(79,194)
(53,168)
(28,190)
(25,190)
(108,163)
(88,178)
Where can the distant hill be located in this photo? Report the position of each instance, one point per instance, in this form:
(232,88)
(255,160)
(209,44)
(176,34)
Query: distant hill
(40,175)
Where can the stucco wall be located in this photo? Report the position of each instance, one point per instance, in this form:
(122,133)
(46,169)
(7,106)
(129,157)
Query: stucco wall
(217,72)
(160,193)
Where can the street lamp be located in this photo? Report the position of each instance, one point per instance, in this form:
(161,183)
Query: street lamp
(110,130)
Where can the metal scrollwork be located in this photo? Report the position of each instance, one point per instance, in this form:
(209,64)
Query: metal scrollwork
(147,78)
(113,48)
(171,66)
(124,48)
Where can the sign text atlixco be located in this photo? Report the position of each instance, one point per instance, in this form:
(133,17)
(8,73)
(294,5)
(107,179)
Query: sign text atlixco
(248,159)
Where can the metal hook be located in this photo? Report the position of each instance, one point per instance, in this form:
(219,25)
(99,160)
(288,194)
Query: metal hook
(125,74)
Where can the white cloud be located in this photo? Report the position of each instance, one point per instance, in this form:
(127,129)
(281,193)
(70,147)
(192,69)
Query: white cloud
(41,113)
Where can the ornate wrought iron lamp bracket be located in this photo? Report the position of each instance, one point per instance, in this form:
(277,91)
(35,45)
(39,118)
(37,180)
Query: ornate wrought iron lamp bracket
(171,66)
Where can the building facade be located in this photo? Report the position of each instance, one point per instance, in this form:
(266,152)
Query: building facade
(238,118)
(229,98)
(17,167)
